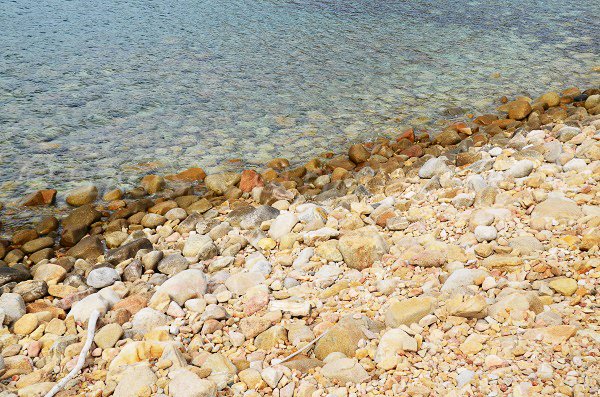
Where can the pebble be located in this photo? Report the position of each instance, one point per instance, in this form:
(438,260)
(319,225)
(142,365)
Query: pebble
(485,233)
(102,277)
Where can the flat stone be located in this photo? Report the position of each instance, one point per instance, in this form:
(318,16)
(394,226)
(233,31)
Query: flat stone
(147,319)
(136,380)
(525,245)
(467,306)
(40,197)
(345,370)
(241,282)
(102,277)
(282,225)
(173,264)
(153,183)
(10,274)
(127,251)
(409,311)
(37,244)
(31,290)
(50,273)
(564,286)
(188,284)
(464,277)
(433,167)
(554,209)
(188,384)
(344,336)
(554,335)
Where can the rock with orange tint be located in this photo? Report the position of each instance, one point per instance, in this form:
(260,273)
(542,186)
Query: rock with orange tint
(41,197)
(485,119)
(519,109)
(153,183)
(342,162)
(408,134)
(133,303)
(413,151)
(194,174)
(358,154)
(554,335)
(338,174)
(44,306)
(249,180)
(278,164)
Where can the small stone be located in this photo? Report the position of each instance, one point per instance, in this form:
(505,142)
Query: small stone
(187,384)
(108,336)
(153,183)
(220,183)
(467,306)
(194,174)
(37,244)
(345,370)
(185,285)
(433,167)
(199,246)
(360,250)
(147,319)
(249,180)
(39,389)
(521,169)
(102,277)
(473,344)
(173,264)
(241,282)
(127,251)
(358,154)
(82,195)
(50,273)
(518,110)
(409,311)
(26,324)
(251,377)
(564,286)
(31,290)
(485,233)
(282,225)
(392,342)
(41,197)
(115,194)
(152,221)
(135,381)
(88,248)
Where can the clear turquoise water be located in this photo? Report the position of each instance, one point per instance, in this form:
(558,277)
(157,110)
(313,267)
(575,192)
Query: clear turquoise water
(89,89)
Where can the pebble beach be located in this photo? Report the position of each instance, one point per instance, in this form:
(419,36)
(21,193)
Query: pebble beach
(464,262)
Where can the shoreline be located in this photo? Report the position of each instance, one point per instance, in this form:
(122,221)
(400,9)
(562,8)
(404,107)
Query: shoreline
(14,215)
(424,266)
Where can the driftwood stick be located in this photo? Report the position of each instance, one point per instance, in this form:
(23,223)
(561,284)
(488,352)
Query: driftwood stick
(81,360)
(276,361)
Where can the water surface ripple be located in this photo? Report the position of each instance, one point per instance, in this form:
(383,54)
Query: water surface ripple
(104,91)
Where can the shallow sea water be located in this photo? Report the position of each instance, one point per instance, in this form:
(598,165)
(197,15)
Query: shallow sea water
(106,91)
